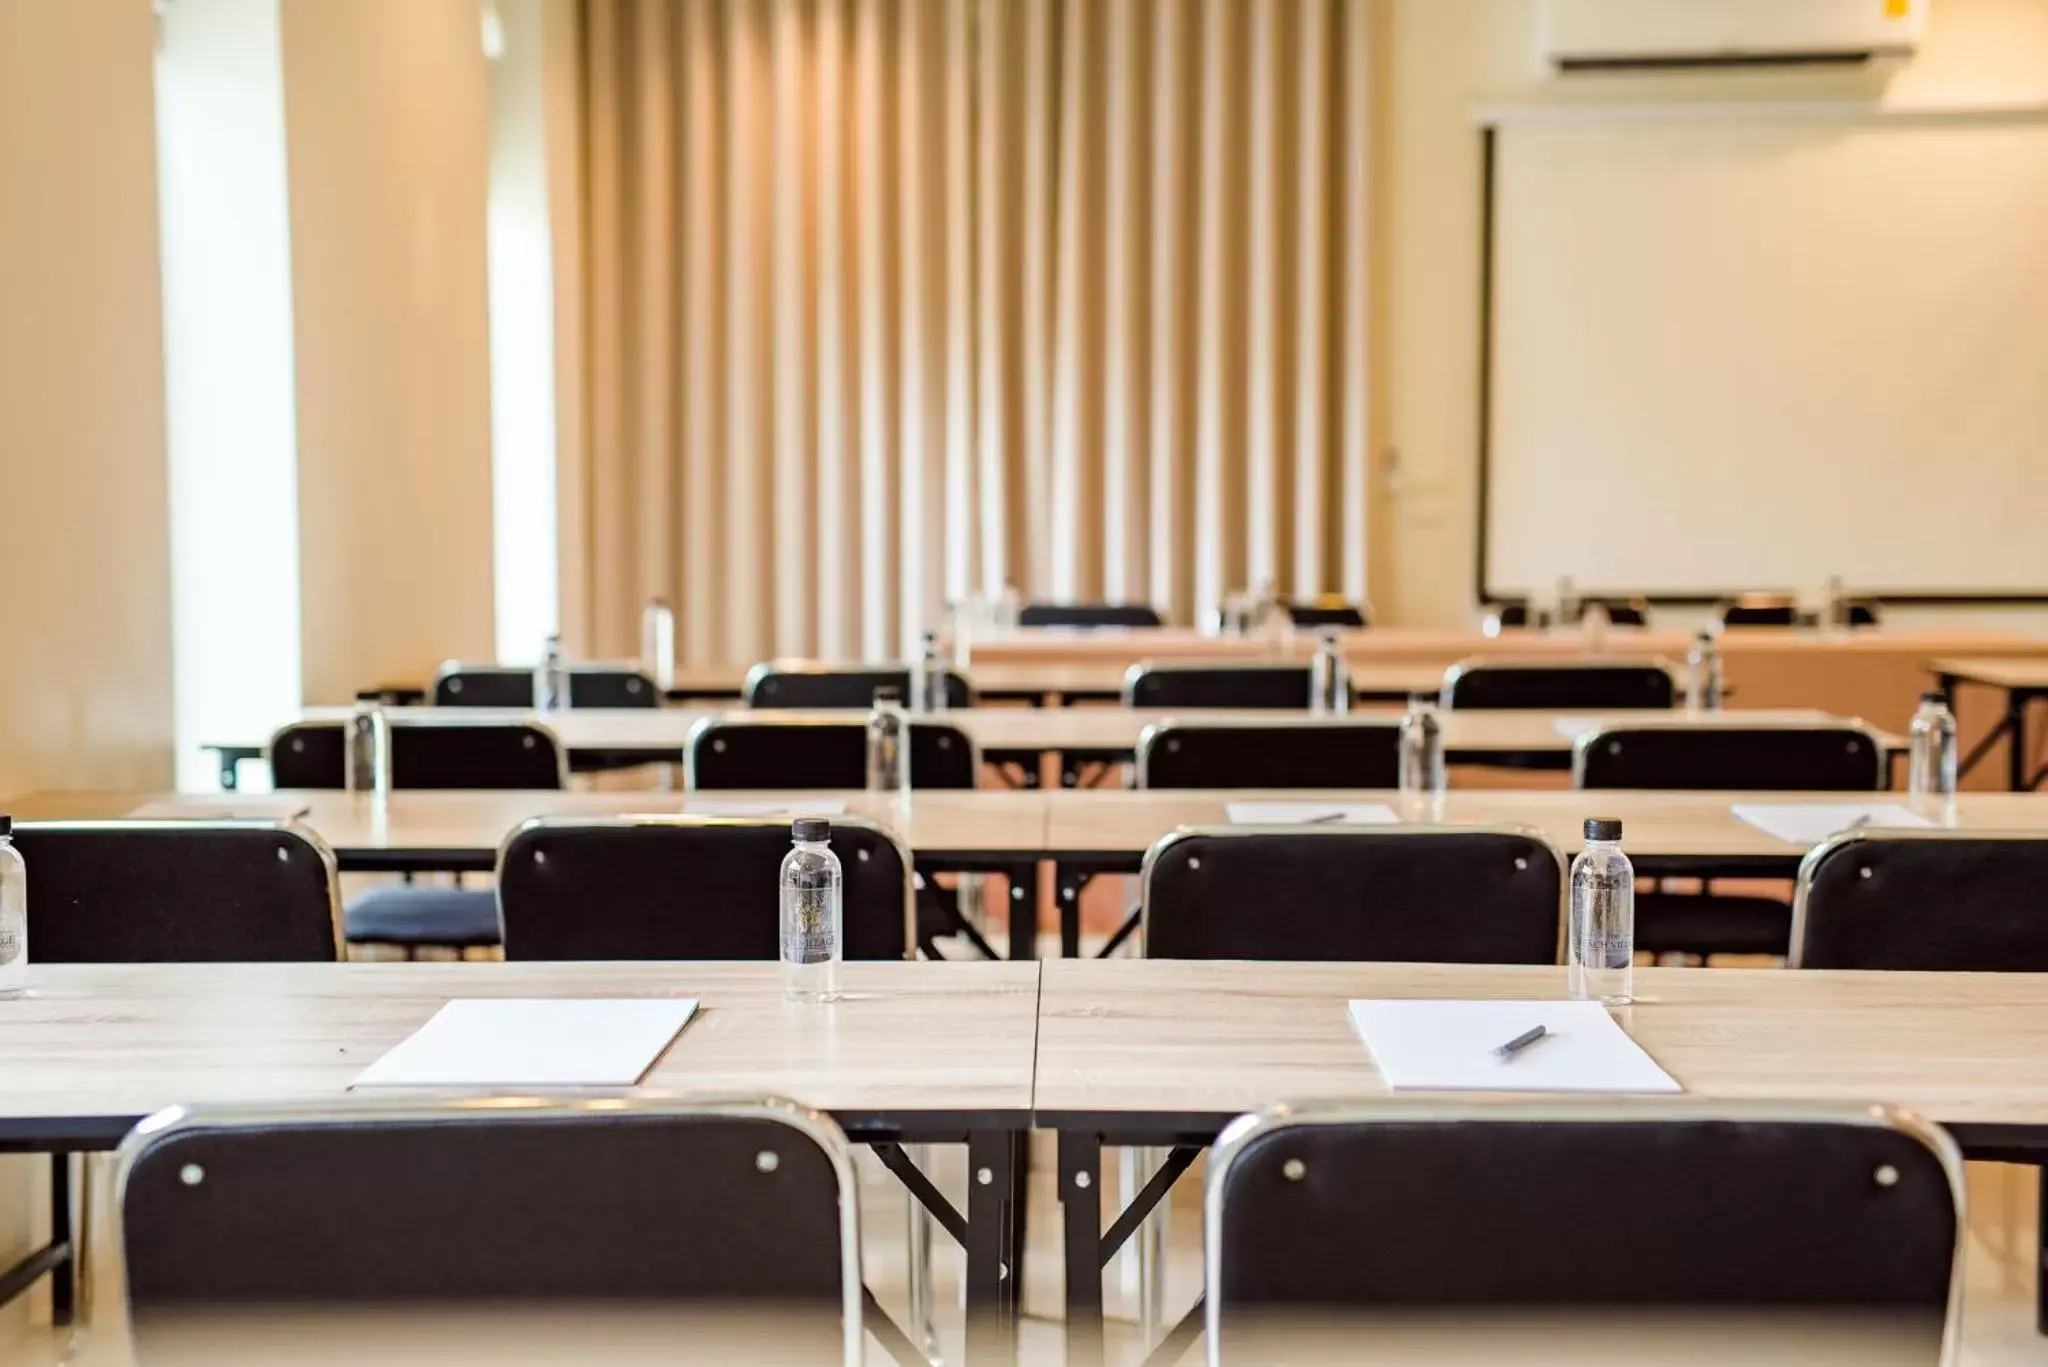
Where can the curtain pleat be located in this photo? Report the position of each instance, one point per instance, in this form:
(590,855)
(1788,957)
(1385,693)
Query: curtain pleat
(892,301)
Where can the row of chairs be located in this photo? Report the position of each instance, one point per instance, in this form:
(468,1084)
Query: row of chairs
(703,888)
(1746,610)
(373,1219)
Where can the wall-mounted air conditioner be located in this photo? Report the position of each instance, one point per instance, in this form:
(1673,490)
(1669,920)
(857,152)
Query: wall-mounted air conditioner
(1622,35)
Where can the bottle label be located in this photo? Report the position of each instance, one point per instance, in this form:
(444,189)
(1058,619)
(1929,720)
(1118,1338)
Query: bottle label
(12,943)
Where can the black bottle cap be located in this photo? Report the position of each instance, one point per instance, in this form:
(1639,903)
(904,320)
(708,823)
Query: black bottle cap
(888,693)
(1603,828)
(1934,695)
(810,828)
(6,827)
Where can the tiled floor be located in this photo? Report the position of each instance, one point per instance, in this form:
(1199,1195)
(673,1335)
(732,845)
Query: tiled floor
(1998,1324)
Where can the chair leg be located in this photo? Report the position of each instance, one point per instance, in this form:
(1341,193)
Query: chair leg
(1146,1265)
(924,1330)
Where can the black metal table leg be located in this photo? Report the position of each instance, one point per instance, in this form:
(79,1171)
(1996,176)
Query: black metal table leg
(991,1291)
(2016,736)
(1067,885)
(1080,1168)
(1024,911)
(64,1276)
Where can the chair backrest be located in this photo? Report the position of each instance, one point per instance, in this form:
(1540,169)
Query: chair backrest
(1276,686)
(427,755)
(1559,685)
(1513,613)
(1088,615)
(1761,610)
(1924,900)
(1844,756)
(178,892)
(548,1208)
(798,753)
(1282,754)
(782,685)
(458,685)
(1469,1210)
(671,887)
(1320,614)
(1398,894)
(1625,612)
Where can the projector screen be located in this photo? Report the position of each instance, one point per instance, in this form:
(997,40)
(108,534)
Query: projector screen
(1756,351)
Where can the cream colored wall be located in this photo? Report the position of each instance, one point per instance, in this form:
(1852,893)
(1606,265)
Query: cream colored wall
(387,119)
(1441,60)
(85,690)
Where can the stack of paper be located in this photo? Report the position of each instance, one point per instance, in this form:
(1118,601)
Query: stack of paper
(1809,823)
(1310,814)
(510,1042)
(1451,1046)
(253,808)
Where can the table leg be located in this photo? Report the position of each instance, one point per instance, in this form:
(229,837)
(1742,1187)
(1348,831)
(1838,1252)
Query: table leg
(1080,1167)
(64,1276)
(2016,737)
(991,1289)
(1068,885)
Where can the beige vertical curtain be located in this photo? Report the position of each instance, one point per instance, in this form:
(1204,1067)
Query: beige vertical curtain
(891,301)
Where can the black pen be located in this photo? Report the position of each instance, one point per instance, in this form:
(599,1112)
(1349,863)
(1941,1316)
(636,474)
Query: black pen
(1506,1052)
(1326,818)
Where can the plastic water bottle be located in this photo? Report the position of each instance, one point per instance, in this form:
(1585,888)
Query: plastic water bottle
(888,744)
(658,642)
(1593,624)
(1703,674)
(1422,772)
(1567,601)
(1329,679)
(812,916)
(551,680)
(13,914)
(1834,604)
(1601,938)
(1931,762)
(928,680)
(1009,607)
(366,758)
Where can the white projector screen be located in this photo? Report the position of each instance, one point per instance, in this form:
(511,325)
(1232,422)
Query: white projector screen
(1748,352)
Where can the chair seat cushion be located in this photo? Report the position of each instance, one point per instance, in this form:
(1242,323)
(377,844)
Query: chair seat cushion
(1673,922)
(411,915)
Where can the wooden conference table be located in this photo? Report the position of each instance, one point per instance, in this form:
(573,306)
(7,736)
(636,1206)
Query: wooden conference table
(2024,683)
(1103,1053)
(1059,684)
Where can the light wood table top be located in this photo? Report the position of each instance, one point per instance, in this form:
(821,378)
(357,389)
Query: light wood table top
(1211,1040)
(91,1049)
(2025,675)
(477,823)
(1698,824)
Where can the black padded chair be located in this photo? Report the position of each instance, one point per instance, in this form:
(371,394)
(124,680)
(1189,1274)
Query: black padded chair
(1281,687)
(1929,901)
(1300,754)
(792,753)
(1553,686)
(178,892)
(772,685)
(685,888)
(1434,1214)
(1761,610)
(377,1215)
(1514,614)
(510,686)
(1843,756)
(1318,614)
(1625,612)
(464,755)
(1088,615)
(1397,894)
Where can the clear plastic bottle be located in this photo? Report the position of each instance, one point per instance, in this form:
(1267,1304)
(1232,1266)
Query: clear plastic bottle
(928,680)
(1567,602)
(1600,947)
(812,914)
(1834,604)
(551,679)
(1009,607)
(1931,756)
(1593,624)
(1703,674)
(888,744)
(13,914)
(366,758)
(1422,772)
(1329,679)
(658,642)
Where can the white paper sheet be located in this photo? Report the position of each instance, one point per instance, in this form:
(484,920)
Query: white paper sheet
(254,808)
(1809,823)
(1310,813)
(1449,1046)
(793,806)
(1571,728)
(528,1042)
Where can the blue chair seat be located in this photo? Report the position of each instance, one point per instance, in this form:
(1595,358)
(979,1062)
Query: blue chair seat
(411,915)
